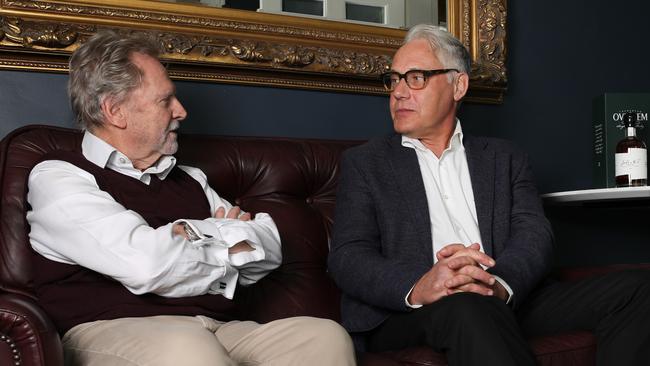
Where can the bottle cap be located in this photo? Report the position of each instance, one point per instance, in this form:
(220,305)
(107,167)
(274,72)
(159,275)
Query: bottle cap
(629,119)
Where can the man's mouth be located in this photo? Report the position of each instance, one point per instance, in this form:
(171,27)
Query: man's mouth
(403,111)
(173,127)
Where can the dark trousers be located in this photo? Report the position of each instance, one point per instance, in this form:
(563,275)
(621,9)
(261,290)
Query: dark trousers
(478,330)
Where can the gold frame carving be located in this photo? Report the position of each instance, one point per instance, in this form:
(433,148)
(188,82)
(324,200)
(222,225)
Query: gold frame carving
(243,47)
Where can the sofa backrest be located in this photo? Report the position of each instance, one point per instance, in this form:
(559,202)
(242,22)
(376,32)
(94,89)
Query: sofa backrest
(293,180)
(19,152)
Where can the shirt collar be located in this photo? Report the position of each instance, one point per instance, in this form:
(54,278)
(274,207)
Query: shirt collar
(455,142)
(104,155)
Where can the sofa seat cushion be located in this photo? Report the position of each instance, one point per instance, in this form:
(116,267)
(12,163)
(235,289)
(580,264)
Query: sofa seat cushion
(575,348)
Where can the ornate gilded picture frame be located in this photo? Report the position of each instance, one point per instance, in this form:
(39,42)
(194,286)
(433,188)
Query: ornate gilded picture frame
(250,48)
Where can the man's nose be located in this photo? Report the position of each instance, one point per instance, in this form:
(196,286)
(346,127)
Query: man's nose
(179,112)
(401,89)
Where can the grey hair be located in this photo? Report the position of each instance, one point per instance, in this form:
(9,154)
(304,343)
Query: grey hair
(449,50)
(102,68)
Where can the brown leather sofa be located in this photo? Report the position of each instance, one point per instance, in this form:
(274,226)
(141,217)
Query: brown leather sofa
(293,180)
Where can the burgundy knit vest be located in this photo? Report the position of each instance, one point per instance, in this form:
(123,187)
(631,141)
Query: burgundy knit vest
(72,294)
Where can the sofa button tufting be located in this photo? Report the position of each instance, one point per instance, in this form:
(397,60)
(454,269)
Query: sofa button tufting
(237,202)
(309,200)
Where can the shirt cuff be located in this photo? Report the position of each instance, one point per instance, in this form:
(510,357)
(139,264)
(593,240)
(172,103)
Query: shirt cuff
(242,258)
(233,231)
(210,239)
(406,301)
(205,229)
(508,289)
(227,284)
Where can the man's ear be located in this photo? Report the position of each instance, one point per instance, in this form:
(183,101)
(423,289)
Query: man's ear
(460,86)
(113,112)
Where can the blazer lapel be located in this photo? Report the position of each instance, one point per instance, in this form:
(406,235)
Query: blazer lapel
(404,163)
(481,161)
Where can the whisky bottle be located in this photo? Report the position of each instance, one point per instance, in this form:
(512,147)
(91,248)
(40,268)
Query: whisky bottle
(631,167)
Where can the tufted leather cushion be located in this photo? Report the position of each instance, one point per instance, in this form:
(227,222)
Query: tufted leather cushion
(295,182)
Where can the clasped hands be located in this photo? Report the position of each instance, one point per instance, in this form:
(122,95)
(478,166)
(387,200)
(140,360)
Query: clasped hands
(458,269)
(220,213)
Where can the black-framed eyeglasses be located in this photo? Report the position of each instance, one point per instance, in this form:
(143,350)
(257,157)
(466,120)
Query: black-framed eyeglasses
(415,79)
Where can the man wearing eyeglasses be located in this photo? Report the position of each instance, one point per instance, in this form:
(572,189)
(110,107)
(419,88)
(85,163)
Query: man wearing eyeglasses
(440,238)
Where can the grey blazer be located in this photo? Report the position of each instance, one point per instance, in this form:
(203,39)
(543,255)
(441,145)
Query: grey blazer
(381,243)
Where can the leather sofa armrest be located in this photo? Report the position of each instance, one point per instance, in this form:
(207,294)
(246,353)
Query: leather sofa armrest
(27,335)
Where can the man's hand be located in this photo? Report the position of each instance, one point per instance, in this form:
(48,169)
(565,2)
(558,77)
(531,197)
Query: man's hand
(500,291)
(178,229)
(458,269)
(473,251)
(478,278)
(235,213)
(468,278)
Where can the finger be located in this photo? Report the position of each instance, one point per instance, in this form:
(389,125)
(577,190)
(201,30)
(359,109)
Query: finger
(220,213)
(233,213)
(475,246)
(449,250)
(478,275)
(454,250)
(457,263)
(476,288)
(481,258)
(245,217)
(473,252)
(458,281)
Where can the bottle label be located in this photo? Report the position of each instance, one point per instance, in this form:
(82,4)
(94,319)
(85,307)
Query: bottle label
(632,163)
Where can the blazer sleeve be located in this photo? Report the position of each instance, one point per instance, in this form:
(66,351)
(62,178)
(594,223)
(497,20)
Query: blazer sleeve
(525,257)
(357,261)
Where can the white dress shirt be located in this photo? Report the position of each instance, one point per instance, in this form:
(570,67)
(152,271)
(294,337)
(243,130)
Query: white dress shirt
(73,221)
(450,198)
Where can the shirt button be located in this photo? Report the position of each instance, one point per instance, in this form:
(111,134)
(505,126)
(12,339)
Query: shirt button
(122,160)
(445,197)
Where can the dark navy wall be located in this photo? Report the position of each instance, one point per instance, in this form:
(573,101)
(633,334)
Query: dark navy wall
(258,111)
(27,98)
(562,54)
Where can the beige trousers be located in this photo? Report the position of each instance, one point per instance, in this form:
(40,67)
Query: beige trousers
(200,341)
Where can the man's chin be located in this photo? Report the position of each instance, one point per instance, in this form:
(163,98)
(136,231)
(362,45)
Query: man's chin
(170,148)
(401,127)
(171,142)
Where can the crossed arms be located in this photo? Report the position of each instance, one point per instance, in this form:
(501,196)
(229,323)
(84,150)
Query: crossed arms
(74,222)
